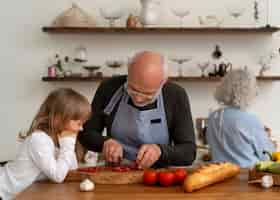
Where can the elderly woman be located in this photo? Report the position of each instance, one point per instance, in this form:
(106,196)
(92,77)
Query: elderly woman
(234,134)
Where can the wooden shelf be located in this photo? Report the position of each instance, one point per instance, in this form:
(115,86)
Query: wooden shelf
(268,78)
(159,30)
(73,79)
(187,79)
(87,79)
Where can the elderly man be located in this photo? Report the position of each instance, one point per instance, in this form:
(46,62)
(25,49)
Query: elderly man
(148,118)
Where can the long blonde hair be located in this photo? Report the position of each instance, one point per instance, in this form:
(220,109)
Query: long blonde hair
(59,107)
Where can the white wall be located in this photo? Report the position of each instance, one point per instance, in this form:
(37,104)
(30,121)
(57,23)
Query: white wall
(25,49)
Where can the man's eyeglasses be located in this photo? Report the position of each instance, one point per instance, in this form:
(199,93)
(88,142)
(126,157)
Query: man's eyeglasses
(132,92)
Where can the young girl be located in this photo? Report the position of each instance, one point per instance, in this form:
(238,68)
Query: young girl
(48,150)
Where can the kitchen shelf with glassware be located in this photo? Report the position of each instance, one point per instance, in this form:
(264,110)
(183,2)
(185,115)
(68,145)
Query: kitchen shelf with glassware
(76,20)
(149,20)
(70,69)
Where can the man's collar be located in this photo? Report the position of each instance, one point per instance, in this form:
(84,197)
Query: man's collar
(147,107)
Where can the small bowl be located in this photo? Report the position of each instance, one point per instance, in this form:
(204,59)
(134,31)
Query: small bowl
(114,63)
(91,69)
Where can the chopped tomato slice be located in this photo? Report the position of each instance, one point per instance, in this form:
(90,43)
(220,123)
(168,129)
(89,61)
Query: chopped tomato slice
(88,169)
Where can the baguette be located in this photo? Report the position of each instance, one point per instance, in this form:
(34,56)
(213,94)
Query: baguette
(210,174)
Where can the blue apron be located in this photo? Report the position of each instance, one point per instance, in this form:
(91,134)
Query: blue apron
(132,127)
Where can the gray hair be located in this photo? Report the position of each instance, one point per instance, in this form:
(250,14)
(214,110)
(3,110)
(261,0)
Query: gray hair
(164,61)
(238,89)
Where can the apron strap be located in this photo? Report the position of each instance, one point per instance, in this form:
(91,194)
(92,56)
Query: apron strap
(114,100)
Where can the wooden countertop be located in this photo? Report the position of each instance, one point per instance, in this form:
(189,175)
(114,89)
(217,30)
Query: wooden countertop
(236,188)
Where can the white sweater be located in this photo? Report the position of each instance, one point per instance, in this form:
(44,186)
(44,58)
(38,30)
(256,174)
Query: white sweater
(37,159)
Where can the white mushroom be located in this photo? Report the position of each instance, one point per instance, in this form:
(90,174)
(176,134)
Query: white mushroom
(87,185)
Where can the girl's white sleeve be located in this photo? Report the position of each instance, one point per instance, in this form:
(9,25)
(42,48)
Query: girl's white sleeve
(42,152)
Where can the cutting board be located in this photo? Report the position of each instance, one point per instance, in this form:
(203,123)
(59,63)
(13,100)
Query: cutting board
(107,176)
(256,175)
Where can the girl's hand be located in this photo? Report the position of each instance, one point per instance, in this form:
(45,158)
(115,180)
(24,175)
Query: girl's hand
(68,134)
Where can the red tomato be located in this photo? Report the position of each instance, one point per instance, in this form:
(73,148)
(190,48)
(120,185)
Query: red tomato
(121,169)
(133,165)
(88,169)
(125,169)
(82,170)
(116,169)
(105,168)
(166,178)
(180,175)
(150,177)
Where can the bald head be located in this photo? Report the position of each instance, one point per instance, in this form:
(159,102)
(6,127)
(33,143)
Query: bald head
(147,71)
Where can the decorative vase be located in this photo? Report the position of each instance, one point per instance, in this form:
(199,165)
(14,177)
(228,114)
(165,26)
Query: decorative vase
(150,12)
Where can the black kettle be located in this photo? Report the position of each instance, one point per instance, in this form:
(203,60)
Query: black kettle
(222,69)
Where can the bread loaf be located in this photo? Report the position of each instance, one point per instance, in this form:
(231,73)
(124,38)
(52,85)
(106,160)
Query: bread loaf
(210,174)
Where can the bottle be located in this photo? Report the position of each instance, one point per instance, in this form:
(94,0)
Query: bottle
(217,54)
(58,63)
(51,71)
(131,21)
(203,131)
(66,66)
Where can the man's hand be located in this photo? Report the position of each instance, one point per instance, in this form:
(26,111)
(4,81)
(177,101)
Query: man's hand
(268,131)
(269,134)
(112,151)
(148,154)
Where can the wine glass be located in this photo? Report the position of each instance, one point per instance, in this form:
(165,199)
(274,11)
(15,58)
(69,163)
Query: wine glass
(265,65)
(203,66)
(80,54)
(111,14)
(114,64)
(265,62)
(91,69)
(180,12)
(180,61)
(236,10)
